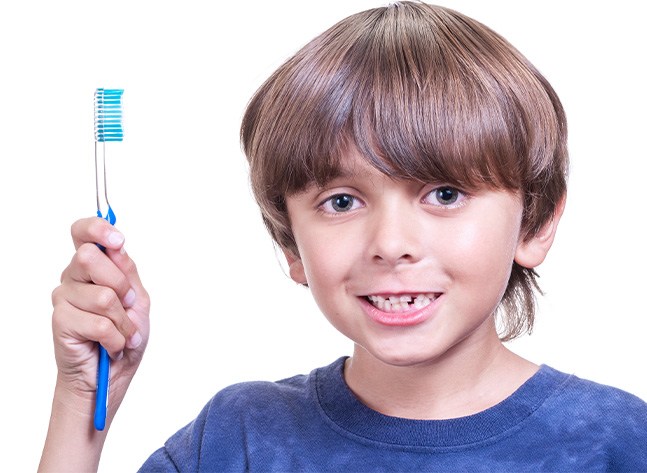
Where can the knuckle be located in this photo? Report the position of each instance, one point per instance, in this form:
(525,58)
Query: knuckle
(57,319)
(106,299)
(104,328)
(57,295)
(86,255)
(60,317)
(75,227)
(95,226)
(87,228)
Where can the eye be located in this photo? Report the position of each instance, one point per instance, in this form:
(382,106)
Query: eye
(340,203)
(445,197)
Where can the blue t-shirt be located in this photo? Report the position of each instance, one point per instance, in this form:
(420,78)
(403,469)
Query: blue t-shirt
(553,422)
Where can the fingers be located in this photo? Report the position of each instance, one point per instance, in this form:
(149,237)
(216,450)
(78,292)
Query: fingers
(96,230)
(85,233)
(91,265)
(128,268)
(74,323)
(88,312)
(98,289)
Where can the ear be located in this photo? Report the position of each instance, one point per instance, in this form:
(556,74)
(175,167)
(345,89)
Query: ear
(297,271)
(532,252)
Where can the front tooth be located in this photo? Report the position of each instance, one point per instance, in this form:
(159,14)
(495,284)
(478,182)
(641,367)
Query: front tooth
(402,303)
(422,300)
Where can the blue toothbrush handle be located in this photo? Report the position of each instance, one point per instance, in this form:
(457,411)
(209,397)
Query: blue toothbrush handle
(103,371)
(103,382)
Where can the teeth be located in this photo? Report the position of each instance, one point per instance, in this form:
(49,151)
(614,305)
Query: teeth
(402,303)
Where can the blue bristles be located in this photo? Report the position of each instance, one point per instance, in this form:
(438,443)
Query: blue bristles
(107,115)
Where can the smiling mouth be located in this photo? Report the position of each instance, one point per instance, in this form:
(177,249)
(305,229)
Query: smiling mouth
(403,302)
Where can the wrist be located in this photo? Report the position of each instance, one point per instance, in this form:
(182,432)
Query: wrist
(72,443)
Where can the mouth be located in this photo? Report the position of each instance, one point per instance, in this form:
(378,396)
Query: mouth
(401,302)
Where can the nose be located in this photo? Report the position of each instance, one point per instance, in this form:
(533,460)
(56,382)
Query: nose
(395,235)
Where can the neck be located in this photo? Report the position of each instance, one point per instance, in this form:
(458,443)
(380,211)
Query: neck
(465,380)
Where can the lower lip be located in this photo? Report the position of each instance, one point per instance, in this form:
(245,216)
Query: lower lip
(400,319)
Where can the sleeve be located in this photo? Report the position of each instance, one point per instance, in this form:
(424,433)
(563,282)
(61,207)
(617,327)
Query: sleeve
(214,441)
(159,461)
(181,452)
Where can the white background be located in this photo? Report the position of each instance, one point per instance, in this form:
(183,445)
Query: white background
(223,310)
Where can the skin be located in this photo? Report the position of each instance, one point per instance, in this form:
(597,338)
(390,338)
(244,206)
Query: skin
(395,237)
(100,299)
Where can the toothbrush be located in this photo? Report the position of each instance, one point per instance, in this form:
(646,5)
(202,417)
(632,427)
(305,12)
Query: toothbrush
(107,127)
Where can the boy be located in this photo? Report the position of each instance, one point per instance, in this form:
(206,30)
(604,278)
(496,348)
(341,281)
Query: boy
(411,164)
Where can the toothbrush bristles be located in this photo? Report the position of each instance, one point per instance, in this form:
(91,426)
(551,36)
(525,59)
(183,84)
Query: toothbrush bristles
(108,115)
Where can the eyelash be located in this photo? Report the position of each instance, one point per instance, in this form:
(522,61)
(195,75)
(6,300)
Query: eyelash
(327,206)
(460,200)
(330,202)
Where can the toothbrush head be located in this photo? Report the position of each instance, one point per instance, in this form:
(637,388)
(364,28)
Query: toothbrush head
(108,115)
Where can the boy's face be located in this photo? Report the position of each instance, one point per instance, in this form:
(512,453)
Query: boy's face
(409,271)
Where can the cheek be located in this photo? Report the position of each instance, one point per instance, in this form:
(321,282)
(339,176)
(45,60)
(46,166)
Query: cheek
(328,264)
(483,253)
(327,257)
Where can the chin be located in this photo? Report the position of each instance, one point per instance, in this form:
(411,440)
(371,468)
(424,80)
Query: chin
(404,355)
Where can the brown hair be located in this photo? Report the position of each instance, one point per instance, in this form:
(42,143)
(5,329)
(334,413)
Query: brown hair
(424,93)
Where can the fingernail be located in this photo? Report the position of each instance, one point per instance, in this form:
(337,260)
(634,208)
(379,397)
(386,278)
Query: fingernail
(130,297)
(135,341)
(116,238)
(119,356)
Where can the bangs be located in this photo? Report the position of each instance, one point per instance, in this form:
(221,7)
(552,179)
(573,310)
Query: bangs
(417,99)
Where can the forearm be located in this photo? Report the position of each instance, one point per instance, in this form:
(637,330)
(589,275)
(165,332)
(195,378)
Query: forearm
(72,443)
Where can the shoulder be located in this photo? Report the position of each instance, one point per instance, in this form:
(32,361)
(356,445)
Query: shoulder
(259,397)
(602,417)
(587,394)
(242,416)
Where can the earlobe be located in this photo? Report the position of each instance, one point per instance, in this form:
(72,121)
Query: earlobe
(295,265)
(532,252)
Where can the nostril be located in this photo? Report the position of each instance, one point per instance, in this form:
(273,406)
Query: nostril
(398,259)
